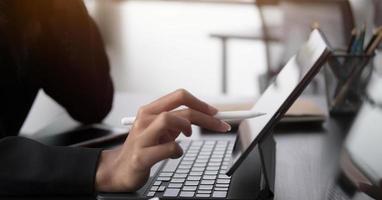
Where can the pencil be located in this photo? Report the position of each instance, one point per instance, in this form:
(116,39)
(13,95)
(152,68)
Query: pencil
(359,48)
(352,39)
(374,42)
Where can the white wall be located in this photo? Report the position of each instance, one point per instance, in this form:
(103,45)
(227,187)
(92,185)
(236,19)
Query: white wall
(156,46)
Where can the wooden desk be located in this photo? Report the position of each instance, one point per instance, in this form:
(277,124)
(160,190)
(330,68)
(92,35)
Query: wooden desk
(307,156)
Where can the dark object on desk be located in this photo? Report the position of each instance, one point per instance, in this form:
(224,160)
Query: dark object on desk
(86,136)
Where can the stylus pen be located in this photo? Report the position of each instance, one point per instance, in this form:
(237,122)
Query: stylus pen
(224,116)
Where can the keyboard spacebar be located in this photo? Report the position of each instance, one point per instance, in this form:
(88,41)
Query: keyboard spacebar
(171,165)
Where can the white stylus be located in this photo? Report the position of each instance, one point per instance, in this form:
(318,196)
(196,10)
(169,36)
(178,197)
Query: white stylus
(229,116)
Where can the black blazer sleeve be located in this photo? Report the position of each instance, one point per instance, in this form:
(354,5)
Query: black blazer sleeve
(61,51)
(30,168)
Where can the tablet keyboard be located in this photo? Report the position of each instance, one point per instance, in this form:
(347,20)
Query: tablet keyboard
(199,173)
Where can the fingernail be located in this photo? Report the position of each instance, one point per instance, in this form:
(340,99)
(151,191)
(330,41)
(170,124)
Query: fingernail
(212,110)
(226,126)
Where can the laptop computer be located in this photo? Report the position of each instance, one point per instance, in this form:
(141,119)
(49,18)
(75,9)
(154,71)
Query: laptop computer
(221,166)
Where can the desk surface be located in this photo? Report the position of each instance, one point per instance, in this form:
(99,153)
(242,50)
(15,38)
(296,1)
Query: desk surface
(307,156)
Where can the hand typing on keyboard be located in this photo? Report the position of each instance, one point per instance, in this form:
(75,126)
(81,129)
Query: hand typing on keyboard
(152,139)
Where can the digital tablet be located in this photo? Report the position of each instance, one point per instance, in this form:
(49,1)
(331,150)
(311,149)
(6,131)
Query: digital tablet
(279,96)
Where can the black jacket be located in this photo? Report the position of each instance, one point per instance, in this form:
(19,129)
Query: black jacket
(52,45)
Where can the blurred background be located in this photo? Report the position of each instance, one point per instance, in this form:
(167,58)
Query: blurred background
(214,47)
(159,46)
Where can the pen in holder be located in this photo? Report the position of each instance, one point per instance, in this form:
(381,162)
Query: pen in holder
(346,76)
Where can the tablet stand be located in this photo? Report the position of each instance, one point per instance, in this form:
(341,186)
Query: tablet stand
(267,155)
(256,173)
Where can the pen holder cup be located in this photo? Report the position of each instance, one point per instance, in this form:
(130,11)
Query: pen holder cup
(346,77)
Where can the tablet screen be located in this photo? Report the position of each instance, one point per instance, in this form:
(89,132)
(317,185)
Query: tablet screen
(279,96)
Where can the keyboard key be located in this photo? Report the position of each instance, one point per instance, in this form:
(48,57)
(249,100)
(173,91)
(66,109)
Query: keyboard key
(189,188)
(180,175)
(214,164)
(186,163)
(175,185)
(197,169)
(221,185)
(203,157)
(209,177)
(204,191)
(200,164)
(211,172)
(184,167)
(216,160)
(223,176)
(177,180)
(219,194)
(182,171)
(157,183)
(223,181)
(196,173)
(171,165)
(212,168)
(202,195)
(161,188)
(192,183)
(202,160)
(194,178)
(189,158)
(171,192)
(187,194)
(150,194)
(205,187)
(207,182)
(221,189)
(166,174)
(154,188)
(217,157)
(163,178)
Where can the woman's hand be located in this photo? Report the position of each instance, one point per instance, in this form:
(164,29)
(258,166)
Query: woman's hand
(152,139)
